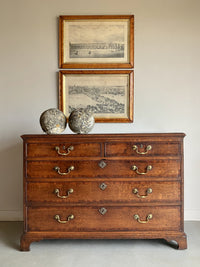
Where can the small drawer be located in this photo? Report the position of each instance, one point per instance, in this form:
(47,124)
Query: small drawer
(102,192)
(104,218)
(63,150)
(104,169)
(139,149)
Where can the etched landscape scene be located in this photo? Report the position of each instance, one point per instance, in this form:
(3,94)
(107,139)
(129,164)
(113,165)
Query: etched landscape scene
(96,41)
(96,50)
(100,99)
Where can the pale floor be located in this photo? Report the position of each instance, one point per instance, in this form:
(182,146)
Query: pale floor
(95,253)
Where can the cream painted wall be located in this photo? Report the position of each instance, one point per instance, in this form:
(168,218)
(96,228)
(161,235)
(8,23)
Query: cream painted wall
(167,83)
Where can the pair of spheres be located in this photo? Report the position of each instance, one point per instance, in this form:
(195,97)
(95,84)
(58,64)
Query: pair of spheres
(54,121)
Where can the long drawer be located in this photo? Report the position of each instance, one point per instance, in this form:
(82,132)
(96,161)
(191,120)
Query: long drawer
(106,218)
(167,168)
(102,192)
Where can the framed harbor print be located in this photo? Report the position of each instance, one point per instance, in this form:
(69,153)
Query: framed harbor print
(107,93)
(95,42)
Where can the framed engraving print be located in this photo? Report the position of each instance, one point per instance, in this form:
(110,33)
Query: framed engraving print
(107,93)
(96,41)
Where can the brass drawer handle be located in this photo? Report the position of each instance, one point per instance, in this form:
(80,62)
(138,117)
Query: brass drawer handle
(148,148)
(148,191)
(57,192)
(137,218)
(69,218)
(69,149)
(57,169)
(135,168)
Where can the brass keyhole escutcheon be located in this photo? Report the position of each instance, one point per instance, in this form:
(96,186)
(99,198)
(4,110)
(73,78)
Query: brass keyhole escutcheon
(103,211)
(103,186)
(102,164)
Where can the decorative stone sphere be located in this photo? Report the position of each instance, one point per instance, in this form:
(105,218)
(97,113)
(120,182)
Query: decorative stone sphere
(53,121)
(81,121)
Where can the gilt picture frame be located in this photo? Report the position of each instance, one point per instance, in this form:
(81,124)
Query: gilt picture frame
(96,42)
(107,93)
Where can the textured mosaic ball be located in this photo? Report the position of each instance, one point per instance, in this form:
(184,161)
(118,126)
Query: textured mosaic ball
(53,121)
(81,121)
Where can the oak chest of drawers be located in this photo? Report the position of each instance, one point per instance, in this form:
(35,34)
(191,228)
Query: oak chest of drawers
(112,186)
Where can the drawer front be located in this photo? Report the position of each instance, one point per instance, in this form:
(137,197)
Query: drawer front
(104,168)
(104,218)
(102,192)
(142,149)
(64,150)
